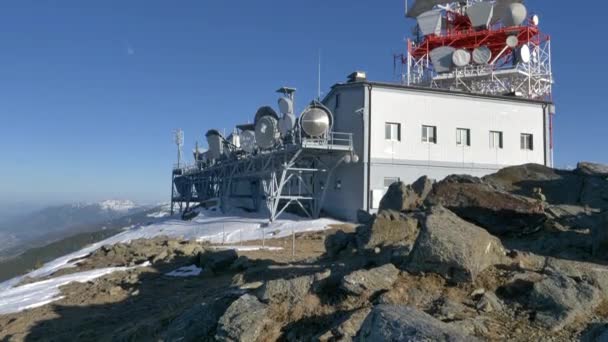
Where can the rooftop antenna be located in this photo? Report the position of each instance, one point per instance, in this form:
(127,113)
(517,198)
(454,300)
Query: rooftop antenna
(319,79)
(178,136)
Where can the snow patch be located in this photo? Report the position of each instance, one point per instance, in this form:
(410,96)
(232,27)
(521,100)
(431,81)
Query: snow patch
(248,248)
(117,205)
(186,271)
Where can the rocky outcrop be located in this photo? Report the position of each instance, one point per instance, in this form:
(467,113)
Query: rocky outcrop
(401,197)
(347,328)
(497,211)
(559,300)
(454,248)
(289,291)
(402,323)
(591,169)
(338,243)
(390,228)
(243,320)
(600,237)
(370,281)
(218,261)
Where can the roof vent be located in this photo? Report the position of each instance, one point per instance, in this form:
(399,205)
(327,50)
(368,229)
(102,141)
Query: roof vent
(357,76)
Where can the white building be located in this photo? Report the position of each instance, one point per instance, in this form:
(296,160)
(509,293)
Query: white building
(402,133)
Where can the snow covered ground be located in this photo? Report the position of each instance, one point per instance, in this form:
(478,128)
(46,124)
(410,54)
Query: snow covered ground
(211,226)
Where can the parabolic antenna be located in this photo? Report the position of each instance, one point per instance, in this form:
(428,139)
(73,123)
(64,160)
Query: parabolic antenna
(500,7)
(248,141)
(316,120)
(266,131)
(523,54)
(265,111)
(286,124)
(482,55)
(216,144)
(512,41)
(481,14)
(461,58)
(514,15)
(421,6)
(430,22)
(285,105)
(442,58)
(535,20)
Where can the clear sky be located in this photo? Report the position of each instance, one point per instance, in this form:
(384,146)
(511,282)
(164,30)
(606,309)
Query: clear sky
(91,90)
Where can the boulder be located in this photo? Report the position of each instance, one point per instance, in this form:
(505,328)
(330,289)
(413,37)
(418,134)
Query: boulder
(218,261)
(402,323)
(389,228)
(347,328)
(338,242)
(289,291)
(400,196)
(489,302)
(243,320)
(454,248)
(370,281)
(594,193)
(200,321)
(594,274)
(495,210)
(363,217)
(591,169)
(559,300)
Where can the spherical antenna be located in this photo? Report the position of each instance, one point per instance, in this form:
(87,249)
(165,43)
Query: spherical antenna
(266,132)
(515,14)
(316,120)
(265,111)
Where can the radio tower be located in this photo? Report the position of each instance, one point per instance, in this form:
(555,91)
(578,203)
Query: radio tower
(178,136)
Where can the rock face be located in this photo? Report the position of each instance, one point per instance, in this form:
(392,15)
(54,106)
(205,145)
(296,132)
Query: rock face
(390,228)
(291,291)
(242,321)
(454,248)
(497,211)
(338,242)
(370,281)
(401,323)
(400,196)
(218,261)
(347,328)
(592,169)
(600,237)
(560,300)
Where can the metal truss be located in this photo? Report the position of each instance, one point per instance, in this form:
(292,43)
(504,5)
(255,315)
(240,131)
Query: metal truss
(294,175)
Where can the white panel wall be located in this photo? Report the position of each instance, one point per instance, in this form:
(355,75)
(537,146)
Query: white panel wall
(413,109)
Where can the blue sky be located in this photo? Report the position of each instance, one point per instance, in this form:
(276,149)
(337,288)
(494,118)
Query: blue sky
(91,90)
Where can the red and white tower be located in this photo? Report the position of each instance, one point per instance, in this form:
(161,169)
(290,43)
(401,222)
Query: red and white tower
(478,46)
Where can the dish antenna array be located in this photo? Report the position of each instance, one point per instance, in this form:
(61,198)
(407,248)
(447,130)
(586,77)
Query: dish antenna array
(481,46)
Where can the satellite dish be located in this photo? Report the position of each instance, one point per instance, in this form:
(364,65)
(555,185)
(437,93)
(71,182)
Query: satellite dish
(500,7)
(482,55)
(523,54)
(286,105)
(442,58)
(535,20)
(215,140)
(512,41)
(481,14)
(286,124)
(248,141)
(316,120)
(265,111)
(266,131)
(461,58)
(514,15)
(430,22)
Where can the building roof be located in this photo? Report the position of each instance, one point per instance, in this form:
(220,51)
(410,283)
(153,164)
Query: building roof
(434,90)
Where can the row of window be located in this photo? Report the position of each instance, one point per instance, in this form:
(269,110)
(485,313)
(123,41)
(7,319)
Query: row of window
(392,132)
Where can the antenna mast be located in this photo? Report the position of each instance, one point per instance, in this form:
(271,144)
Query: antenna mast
(319,79)
(178,136)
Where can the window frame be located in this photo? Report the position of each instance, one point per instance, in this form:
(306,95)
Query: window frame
(524,144)
(425,137)
(500,140)
(459,142)
(391,125)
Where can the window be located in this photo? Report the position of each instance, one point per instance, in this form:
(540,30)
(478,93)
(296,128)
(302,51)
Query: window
(495,140)
(527,142)
(392,131)
(388,181)
(338,100)
(463,137)
(429,134)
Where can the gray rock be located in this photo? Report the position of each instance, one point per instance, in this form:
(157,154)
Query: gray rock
(595,333)
(560,300)
(290,291)
(363,217)
(400,196)
(497,211)
(594,193)
(454,248)
(401,323)
(243,320)
(489,302)
(594,274)
(370,281)
(338,242)
(592,169)
(600,237)
(218,261)
(200,321)
(347,328)
(389,228)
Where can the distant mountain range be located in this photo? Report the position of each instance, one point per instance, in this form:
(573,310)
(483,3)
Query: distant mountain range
(57,222)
